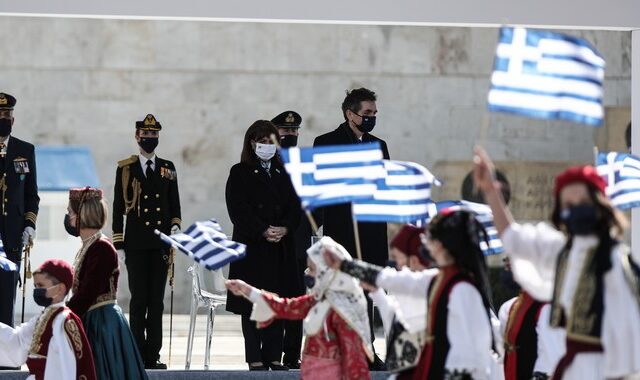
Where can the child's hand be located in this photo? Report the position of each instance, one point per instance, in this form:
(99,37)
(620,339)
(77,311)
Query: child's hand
(331,258)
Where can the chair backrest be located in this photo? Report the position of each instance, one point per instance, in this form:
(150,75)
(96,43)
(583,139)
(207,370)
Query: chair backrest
(196,285)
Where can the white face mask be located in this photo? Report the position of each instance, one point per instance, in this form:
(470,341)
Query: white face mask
(265,151)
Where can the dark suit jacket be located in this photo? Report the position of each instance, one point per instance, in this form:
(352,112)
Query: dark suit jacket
(21,200)
(158,205)
(338,221)
(255,201)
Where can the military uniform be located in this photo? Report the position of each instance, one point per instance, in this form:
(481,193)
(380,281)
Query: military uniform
(18,207)
(292,342)
(149,203)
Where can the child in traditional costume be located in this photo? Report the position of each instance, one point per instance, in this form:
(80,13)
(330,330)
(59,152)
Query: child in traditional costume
(334,315)
(53,343)
(459,342)
(580,266)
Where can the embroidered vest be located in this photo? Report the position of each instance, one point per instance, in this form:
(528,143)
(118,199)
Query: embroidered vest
(436,349)
(583,322)
(37,359)
(521,338)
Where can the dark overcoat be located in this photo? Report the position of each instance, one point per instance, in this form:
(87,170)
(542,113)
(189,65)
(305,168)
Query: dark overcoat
(337,220)
(256,200)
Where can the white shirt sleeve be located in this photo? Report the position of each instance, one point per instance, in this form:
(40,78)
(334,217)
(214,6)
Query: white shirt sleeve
(61,360)
(551,343)
(533,251)
(469,332)
(385,307)
(620,322)
(15,343)
(405,281)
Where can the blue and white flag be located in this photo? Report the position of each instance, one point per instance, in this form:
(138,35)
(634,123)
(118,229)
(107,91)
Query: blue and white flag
(483,215)
(403,196)
(547,75)
(328,175)
(205,243)
(621,172)
(5,263)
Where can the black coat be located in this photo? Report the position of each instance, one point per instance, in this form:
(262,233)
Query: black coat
(21,200)
(337,220)
(157,207)
(255,201)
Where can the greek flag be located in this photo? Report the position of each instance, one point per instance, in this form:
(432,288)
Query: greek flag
(403,196)
(483,215)
(5,263)
(329,175)
(621,171)
(547,75)
(205,243)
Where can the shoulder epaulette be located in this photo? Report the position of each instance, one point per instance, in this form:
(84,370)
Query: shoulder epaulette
(127,161)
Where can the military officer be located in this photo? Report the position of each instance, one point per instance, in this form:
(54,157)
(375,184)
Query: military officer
(146,192)
(19,202)
(288,124)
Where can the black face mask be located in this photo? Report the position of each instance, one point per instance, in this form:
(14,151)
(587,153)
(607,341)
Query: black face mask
(288,141)
(368,122)
(71,230)
(309,281)
(507,281)
(5,127)
(148,144)
(40,297)
(580,220)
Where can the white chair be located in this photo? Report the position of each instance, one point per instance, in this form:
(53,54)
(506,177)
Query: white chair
(201,298)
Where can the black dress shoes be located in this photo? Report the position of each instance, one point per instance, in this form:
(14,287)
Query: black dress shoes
(155,365)
(277,367)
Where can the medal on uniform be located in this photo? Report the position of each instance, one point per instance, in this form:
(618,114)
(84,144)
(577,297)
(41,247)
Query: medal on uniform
(21,165)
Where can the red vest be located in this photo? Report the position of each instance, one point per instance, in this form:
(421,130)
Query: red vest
(76,336)
(520,338)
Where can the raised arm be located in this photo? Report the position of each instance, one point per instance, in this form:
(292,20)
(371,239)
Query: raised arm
(484,178)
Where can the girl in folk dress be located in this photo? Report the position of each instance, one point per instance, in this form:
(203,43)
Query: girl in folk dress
(334,316)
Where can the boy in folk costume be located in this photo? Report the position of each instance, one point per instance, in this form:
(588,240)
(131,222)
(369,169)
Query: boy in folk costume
(334,315)
(532,347)
(580,266)
(53,344)
(404,316)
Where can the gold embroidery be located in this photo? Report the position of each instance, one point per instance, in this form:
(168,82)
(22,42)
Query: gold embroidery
(290,119)
(581,319)
(79,260)
(41,325)
(73,332)
(511,346)
(556,308)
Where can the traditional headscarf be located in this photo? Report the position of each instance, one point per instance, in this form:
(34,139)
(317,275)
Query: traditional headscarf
(332,290)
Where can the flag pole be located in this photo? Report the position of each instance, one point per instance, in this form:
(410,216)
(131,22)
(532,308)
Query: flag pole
(312,221)
(356,234)
(484,128)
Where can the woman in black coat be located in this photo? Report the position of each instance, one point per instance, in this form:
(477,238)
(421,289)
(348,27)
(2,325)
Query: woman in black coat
(265,212)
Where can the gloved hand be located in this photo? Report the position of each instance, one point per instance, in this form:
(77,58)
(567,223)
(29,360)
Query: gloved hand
(175,229)
(121,255)
(28,233)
